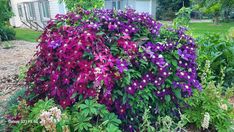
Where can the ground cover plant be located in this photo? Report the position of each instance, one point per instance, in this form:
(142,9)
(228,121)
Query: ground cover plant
(124,60)
(210,109)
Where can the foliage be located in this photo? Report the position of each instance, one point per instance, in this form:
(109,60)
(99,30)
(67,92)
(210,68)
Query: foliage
(227,7)
(214,7)
(85,4)
(182,17)
(146,125)
(220,53)
(23,117)
(13,99)
(210,7)
(22,72)
(7,45)
(7,33)
(5,12)
(211,102)
(125,60)
(168,8)
(231,33)
(167,124)
(93,116)
(44,115)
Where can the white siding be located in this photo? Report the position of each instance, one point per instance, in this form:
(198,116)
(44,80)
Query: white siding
(139,5)
(131,3)
(54,8)
(108,4)
(154,7)
(143,6)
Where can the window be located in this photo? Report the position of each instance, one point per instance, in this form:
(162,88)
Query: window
(44,9)
(20,10)
(116,4)
(30,11)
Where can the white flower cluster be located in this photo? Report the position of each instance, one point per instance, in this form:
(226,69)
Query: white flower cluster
(206,121)
(50,118)
(224,106)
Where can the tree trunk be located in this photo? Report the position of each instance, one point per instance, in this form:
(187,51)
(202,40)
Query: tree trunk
(216,20)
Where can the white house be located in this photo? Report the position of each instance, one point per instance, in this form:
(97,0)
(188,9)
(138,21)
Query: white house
(35,13)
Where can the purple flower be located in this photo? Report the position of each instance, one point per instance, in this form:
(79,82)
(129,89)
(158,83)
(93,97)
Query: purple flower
(94,25)
(121,65)
(182,74)
(131,90)
(196,84)
(54,44)
(120,108)
(112,27)
(159,60)
(184,54)
(187,88)
(158,81)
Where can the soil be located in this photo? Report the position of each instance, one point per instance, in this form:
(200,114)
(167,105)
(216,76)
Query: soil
(12,57)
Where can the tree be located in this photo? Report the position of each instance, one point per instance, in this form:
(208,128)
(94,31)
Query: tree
(85,4)
(227,7)
(167,8)
(214,7)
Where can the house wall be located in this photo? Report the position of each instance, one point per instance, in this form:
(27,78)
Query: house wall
(108,4)
(139,5)
(154,8)
(131,3)
(54,8)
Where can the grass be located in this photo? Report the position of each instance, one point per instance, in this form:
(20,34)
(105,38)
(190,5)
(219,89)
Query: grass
(196,29)
(206,27)
(27,34)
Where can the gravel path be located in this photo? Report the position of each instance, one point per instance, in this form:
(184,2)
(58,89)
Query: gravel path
(10,61)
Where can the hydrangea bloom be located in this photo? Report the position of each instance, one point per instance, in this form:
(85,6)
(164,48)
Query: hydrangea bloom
(114,56)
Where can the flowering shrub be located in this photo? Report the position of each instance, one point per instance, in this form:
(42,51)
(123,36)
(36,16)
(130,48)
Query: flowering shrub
(125,60)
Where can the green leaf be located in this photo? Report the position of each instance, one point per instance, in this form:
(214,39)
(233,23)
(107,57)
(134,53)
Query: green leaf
(74,95)
(177,93)
(112,128)
(168,98)
(174,63)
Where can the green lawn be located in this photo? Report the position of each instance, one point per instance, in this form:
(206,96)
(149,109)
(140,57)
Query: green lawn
(201,28)
(196,29)
(27,34)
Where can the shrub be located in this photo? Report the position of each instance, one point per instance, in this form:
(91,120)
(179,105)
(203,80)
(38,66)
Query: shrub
(210,109)
(231,33)
(182,17)
(124,59)
(220,53)
(7,33)
(5,12)
(90,4)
